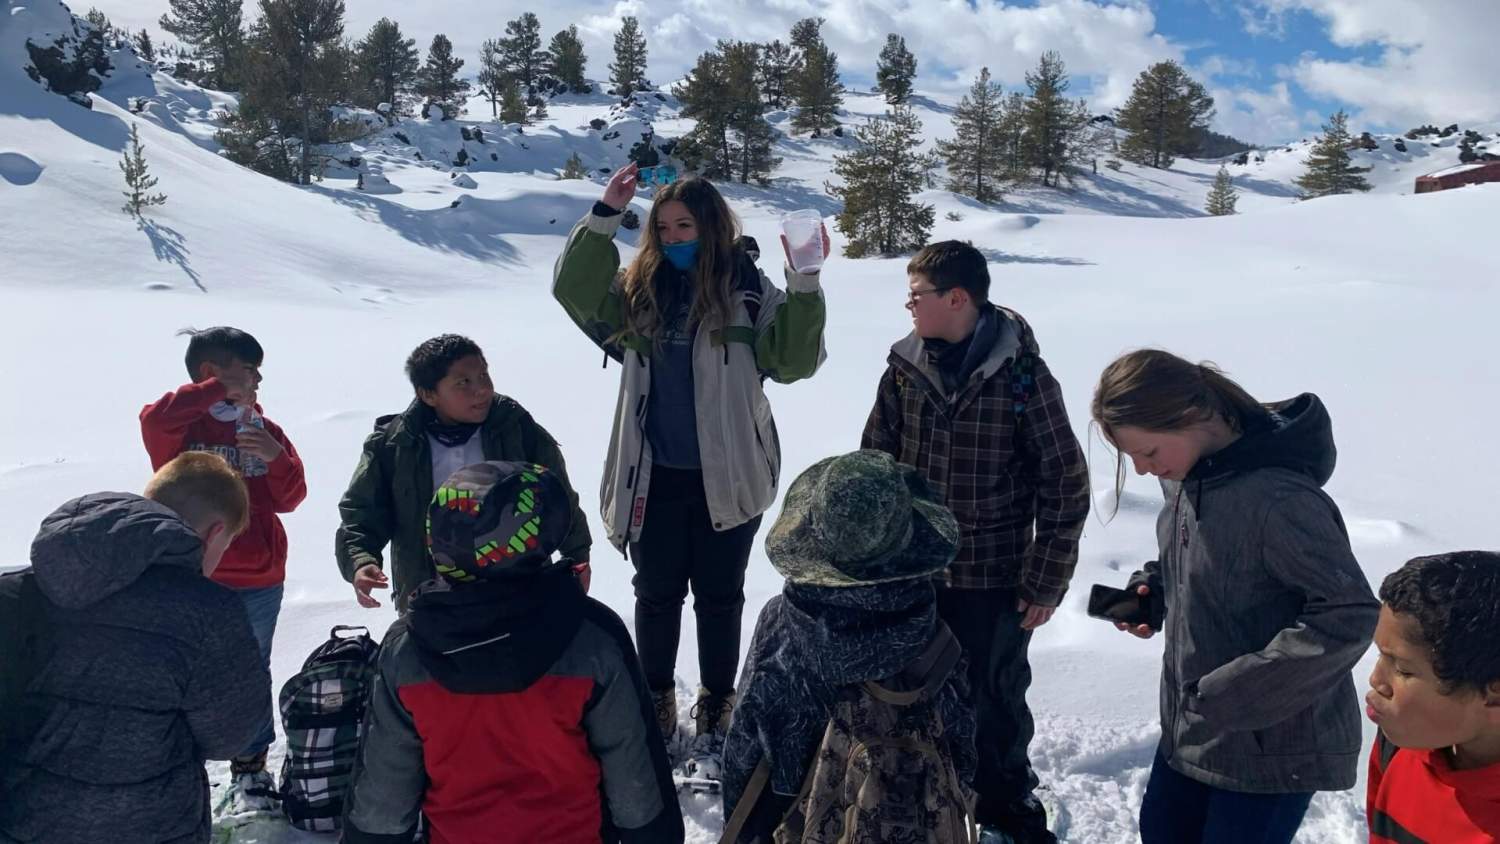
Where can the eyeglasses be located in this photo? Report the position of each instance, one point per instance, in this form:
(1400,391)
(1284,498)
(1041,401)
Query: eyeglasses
(914,295)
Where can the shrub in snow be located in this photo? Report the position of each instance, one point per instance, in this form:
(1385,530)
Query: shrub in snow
(1366,142)
(630,219)
(1400,145)
(463,132)
(597,124)
(953,216)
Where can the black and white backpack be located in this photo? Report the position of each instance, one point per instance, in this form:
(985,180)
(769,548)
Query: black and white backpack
(322,713)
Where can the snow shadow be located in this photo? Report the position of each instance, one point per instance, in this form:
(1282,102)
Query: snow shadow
(472,229)
(19,170)
(167,243)
(782,195)
(995,256)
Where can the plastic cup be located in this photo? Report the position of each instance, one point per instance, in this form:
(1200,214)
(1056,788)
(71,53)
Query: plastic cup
(804,238)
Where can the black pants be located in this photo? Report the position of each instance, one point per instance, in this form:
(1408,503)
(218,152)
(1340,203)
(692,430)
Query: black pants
(988,626)
(679,548)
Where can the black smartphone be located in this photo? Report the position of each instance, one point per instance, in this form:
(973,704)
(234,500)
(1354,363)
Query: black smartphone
(1113,604)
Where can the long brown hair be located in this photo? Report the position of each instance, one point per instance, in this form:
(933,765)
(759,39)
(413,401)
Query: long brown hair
(1155,390)
(714,276)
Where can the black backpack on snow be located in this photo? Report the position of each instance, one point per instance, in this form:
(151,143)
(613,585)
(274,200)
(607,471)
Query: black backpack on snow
(323,713)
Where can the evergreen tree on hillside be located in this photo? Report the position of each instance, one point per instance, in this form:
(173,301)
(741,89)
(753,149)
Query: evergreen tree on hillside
(880,177)
(565,58)
(1223,196)
(895,70)
(138,180)
(101,23)
(386,63)
(296,71)
(1011,136)
(815,87)
(1165,116)
(628,72)
(1330,170)
(438,81)
(539,111)
(1053,123)
(706,98)
(777,65)
(976,156)
(212,28)
(522,51)
(492,78)
(144,46)
(751,137)
(573,168)
(512,103)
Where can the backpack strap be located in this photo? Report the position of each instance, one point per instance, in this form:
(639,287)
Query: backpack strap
(746,806)
(927,672)
(1022,382)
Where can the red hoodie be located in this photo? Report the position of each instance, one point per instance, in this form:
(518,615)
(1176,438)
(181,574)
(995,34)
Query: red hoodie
(1418,798)
(180,421)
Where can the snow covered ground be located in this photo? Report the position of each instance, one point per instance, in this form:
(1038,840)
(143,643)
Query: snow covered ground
(1380,303)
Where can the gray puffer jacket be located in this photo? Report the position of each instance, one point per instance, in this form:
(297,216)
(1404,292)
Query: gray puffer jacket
(1267,612)
(147,668)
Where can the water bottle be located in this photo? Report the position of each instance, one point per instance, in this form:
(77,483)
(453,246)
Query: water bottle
(250,465)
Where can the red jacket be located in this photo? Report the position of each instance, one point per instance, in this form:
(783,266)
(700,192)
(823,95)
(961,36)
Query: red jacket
(1418,798)
(180,421)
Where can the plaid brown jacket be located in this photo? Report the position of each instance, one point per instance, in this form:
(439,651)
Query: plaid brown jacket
(1017,482)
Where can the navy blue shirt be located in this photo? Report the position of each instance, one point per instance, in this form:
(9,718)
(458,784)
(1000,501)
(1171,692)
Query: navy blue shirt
(672,414)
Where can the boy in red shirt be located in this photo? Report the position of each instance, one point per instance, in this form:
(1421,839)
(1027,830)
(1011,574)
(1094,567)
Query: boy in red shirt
(1435,694)
(217,412)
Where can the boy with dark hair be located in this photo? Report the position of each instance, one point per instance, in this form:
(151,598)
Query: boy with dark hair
(507,704)
(967,400)
(217,412)
(1435,694)
(456,419)
(140,669)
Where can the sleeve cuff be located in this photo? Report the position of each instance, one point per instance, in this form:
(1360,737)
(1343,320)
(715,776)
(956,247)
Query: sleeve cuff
(802,282)
(606,225)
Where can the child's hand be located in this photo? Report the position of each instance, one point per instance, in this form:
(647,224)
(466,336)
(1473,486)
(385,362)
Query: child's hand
(1140,631)
(621,187)
(369,577)
(257,442)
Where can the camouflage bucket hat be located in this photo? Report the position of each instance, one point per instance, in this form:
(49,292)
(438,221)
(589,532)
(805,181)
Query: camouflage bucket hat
(859,519)
(497,520)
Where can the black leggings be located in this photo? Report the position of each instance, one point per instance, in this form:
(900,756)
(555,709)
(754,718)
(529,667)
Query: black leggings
(679,548)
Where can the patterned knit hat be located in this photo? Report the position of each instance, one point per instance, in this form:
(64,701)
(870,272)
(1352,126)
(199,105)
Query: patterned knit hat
(497,520)
(858,519)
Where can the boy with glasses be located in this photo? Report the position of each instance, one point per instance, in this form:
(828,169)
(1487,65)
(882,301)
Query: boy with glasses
(968,401)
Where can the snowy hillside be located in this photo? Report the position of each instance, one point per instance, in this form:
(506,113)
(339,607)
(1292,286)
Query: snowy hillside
(1380,303)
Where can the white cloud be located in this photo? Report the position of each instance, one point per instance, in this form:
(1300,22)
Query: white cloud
(1435,65)
(1267,117)
(1106,43)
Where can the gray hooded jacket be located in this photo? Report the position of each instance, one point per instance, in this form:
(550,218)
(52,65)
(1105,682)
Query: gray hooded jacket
(148,668)
(1266,613)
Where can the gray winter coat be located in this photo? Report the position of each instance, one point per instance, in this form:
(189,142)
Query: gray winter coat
(1266,613)
(148,668)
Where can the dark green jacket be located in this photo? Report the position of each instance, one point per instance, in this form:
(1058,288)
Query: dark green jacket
(387,499)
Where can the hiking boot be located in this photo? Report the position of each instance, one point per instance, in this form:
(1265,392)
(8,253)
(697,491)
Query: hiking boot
(252,791)
(666,713)
(712,712)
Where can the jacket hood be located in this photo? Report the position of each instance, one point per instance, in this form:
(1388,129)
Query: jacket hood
(411,423)
(853,634)
(493,637)
(1297,436)
(94,546)
(1012,336)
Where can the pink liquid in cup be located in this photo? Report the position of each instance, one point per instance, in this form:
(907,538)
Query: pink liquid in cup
(804,238)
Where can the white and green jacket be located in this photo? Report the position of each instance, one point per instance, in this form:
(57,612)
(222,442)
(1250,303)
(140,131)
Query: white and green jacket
(737,437)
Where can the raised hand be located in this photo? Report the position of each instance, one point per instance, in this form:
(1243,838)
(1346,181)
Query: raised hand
(621,187)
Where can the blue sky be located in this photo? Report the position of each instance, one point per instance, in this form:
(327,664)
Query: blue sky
(1276,68)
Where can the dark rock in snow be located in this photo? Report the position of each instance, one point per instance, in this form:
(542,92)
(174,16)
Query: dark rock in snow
(630,219)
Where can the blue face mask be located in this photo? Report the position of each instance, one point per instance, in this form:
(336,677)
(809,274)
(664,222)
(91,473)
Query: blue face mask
(682,255)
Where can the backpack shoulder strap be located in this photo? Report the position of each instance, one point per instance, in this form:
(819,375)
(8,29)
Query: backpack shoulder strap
(926,673)
(1022,382)
(746,806)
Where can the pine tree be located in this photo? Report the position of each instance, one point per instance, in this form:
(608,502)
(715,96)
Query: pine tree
(100,22)
(976,157)
(1011,136)
(1165,116)
(1053,123)
(438,81)
(297,37)
(777,65)
(1223,196)
(880,217)
(573,168)
(386,63)
(565,58)
(628,72)
(137,178)
(1330,170)
(512,104)
(816,89)
(521,49)
(751,137)
(539,111)
(144,46)
(492,77)
(706,98)
(895,70)
(212,28)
